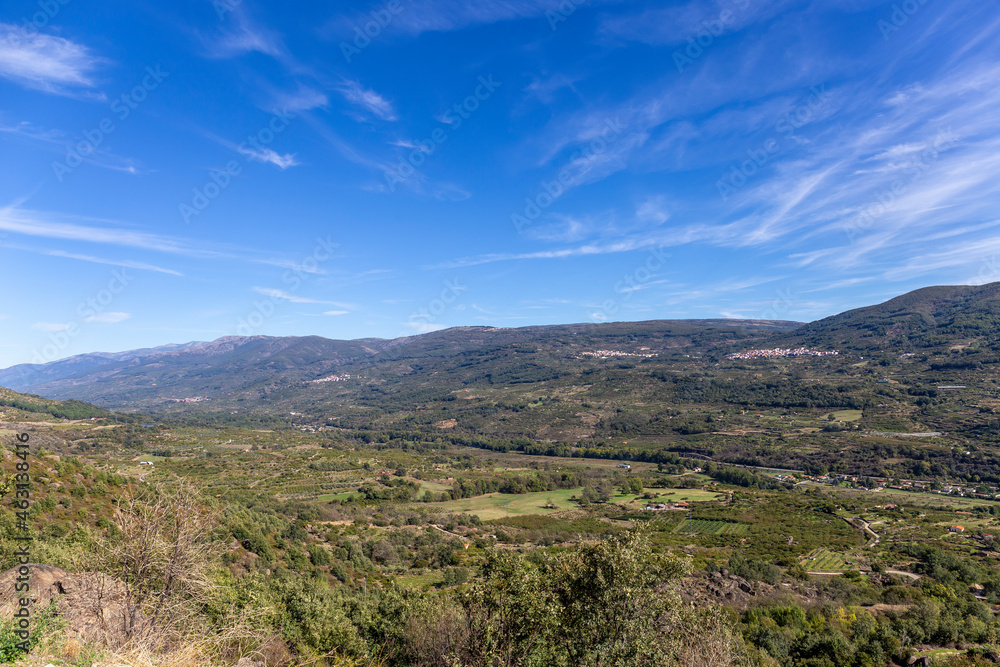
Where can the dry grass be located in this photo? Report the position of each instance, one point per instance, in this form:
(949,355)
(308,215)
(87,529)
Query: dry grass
(191,654)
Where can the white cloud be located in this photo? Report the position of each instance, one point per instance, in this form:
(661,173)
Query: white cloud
(269,156)
(50,327)
(301,100)
(34,223)
(260,154)
(622,245)
(367,99)
(424,327)
(446,15)
(44,62)
(125,263)
(109,318)
(293,265)
(652,211)
(337,312)
(675,24)
(243,36)
(275,293)
(62,142)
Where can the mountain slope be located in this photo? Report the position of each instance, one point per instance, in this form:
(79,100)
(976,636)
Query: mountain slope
(925,318)
(15,406)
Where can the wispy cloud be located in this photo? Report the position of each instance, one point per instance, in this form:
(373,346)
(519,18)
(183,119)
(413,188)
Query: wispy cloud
(623,245)
(258,154)
(293,265)
(61,142)
(50,327)
(929,150)
(674,25)
(108,318)
(367,99)
(37,224)
(275,293)
(424,327)
(45,62)
(446,15)
(243,36)
(124,263)
(269,156)
(29,130)
(303,99)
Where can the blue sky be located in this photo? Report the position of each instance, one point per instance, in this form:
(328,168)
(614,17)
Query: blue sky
(183,171)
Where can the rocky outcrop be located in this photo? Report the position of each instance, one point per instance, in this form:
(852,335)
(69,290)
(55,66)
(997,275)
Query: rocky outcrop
(95,606)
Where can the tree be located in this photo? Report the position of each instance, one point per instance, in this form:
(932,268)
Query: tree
(161,554)
(609,604)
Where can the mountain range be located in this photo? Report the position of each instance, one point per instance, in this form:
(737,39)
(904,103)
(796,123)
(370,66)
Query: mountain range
(239,373)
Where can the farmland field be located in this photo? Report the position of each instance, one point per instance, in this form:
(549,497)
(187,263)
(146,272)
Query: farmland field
(495,505)
(824,560)
(690,495)
(712,527)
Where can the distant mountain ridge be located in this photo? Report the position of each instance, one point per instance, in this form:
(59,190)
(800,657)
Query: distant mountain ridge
(153,375)
(274,373)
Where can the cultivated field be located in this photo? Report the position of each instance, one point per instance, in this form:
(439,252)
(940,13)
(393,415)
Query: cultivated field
(497,505)
(712,527)
(824,560)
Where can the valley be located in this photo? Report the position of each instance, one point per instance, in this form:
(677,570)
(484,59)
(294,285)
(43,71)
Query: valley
(848,498)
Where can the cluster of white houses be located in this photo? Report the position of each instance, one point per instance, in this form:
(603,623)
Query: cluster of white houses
(781,352)
(604,354)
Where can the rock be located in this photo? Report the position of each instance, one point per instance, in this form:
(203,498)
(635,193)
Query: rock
(95,606)
(43,586)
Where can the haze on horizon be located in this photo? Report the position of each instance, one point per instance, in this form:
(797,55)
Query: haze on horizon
(188,171)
